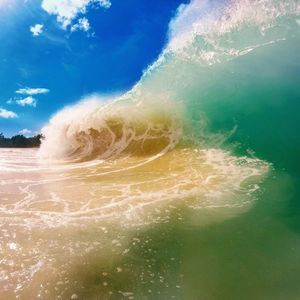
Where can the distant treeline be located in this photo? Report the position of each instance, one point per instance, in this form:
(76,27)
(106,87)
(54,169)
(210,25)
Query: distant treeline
(20,141)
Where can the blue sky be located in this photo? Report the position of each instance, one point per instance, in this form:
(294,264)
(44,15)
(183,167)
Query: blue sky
(52,53)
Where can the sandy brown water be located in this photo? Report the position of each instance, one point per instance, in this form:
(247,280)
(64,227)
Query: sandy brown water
(60,223)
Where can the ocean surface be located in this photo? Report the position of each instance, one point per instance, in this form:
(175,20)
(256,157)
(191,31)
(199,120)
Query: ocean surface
(185,187)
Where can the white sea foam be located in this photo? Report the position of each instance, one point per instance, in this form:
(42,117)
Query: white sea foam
(211,21)
(131,188)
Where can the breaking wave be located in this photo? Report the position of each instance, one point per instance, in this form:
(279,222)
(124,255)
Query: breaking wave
(164,121)
(147,120)
(112,130)
(108,164)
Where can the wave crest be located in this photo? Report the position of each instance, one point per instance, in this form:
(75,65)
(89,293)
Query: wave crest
(90,130)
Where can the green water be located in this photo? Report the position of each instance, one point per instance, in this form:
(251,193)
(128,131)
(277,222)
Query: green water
(226,253)
(255,255)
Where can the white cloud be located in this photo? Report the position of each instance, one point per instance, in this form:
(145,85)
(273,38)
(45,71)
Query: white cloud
(104,3)
(7,114)
(25,131)
(32,91)
(30,101)
(68,10)
(37,29)
(83,24)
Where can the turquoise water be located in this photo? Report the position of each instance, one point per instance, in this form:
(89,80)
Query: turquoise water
(259,251)
(255,255)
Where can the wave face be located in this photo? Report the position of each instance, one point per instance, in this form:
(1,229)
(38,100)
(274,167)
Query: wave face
(204,37)
(179,142)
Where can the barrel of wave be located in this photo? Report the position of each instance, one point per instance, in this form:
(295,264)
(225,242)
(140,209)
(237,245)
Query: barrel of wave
(94,129)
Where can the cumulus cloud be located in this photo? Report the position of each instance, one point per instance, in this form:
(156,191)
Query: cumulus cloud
(104,3)
(37,29)
(6,114)
(83,24)
(68,10)
(32,91)
(30,101)
(25,131)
